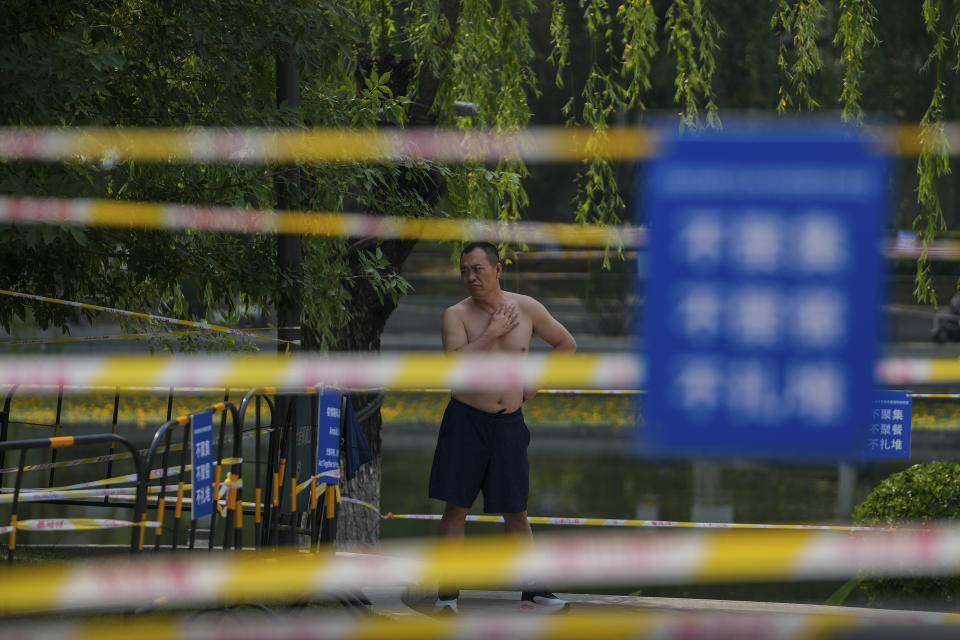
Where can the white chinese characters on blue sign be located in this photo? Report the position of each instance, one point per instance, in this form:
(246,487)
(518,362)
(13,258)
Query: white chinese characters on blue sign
(762,292)
(328,437)
(201,460)
(889,428)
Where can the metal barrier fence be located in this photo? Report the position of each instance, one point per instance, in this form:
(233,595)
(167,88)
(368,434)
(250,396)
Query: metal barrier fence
(278,511)
(161,444)
(58,442)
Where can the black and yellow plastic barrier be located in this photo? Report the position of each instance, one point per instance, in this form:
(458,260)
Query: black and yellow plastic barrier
(57,442)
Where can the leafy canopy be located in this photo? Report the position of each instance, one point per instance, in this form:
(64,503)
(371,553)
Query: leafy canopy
(373,63)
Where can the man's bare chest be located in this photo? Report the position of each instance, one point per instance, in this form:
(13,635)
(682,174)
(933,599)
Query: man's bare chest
(517,339)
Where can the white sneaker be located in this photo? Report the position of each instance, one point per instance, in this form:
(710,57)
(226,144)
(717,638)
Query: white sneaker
(447,604)
(544,601)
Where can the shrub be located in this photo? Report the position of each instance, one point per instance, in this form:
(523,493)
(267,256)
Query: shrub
(925,492)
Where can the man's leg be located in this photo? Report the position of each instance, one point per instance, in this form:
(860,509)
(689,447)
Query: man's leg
(453,520)
(516,523)
(531,598)
(451,526)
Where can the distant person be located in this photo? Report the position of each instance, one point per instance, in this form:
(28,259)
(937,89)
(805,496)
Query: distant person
(482,444)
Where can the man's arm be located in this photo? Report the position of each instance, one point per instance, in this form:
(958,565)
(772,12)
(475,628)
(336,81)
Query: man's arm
(503,321)
(550,331)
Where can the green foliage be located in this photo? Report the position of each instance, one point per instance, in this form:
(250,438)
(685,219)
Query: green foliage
(158,63)
(639,47)
(927,491)
(933,162)
(488,66)
(798,18)
(371,63)
(924,492)
(854,35)
(559,39)
(130,62)
(693,37)
(621,49)
(932,12)
(428,33)
(838,597)
(598,197)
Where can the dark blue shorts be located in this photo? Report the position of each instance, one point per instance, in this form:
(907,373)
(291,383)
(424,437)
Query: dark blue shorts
(484,451)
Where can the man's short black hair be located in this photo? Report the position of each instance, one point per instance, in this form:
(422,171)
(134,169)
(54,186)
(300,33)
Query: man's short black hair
(492,254)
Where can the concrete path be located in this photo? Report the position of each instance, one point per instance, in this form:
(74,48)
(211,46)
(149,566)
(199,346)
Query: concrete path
(405,604)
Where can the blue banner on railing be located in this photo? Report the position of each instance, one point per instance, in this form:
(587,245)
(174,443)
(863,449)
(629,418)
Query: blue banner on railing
(328,437)
(888,433)
(201,460)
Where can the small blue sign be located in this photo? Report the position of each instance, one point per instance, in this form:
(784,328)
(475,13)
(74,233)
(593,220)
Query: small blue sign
(888,433)
(328,437)
(762,292)
(201,461)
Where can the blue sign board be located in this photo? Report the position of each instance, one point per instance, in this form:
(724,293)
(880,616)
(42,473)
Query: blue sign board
(328,437)
(201,461)
(888,432)
(762,292)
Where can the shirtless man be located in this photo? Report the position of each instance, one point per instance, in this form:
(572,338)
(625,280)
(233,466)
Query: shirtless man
(482,444)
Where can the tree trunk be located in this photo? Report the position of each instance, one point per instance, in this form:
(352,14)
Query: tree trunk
(360,525)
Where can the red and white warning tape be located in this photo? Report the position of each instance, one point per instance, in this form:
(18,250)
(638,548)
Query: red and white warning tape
(664,557)
(206,326)
(395,371)
(72,524)
(46,495)
(155,215)
(343,370)
(615,522)
(257,145)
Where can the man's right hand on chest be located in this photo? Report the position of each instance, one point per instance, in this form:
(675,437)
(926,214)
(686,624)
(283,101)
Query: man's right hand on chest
(504,320)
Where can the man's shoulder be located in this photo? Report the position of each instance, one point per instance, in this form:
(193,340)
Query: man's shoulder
(459,307)
(521,300)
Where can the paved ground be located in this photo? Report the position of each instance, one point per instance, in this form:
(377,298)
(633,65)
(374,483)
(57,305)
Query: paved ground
(403,603)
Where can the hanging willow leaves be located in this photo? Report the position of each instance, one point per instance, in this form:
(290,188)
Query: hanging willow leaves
(559,39)
(692,34)
(513,111)
(487,68)
(639,24)
(598,197)
(796,22)
(601,92)
(380,25)
(427,32)
(854,34)
(618,74)
(469,72)
(933,162)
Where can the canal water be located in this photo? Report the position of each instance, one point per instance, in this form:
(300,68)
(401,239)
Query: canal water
(592,472)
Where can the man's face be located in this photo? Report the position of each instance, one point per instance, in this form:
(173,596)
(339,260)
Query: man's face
(477,274)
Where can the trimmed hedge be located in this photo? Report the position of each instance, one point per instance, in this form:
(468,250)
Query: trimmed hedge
(928,491)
